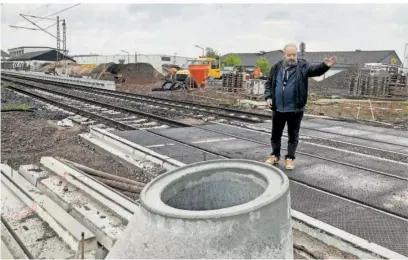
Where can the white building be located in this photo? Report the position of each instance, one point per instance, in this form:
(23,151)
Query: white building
(155,60)
(19,51)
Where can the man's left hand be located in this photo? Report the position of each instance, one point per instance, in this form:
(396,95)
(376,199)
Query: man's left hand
(330,61)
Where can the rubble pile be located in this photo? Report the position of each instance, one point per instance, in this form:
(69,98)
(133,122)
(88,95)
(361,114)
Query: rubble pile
(338,84)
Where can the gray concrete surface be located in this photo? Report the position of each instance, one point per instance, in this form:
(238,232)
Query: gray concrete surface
(176,220)
(368,187)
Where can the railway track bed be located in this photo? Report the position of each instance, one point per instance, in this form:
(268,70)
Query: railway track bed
(341,184)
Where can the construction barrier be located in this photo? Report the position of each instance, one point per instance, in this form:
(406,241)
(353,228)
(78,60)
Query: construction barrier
(92,83)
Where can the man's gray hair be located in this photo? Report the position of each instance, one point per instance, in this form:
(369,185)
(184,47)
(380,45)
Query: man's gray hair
(289,45)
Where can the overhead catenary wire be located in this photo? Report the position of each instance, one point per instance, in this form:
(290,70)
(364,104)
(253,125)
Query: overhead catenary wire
(45,17)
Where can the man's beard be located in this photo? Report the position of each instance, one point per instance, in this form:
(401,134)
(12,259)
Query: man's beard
(289,62)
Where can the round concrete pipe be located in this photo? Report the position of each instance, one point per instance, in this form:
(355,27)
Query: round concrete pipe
(213,209)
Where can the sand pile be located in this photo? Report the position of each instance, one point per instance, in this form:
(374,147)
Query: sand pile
(59,64)
(79,71)
(74,70)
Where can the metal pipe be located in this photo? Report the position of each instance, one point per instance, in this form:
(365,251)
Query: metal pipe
(102,174)
(120,185)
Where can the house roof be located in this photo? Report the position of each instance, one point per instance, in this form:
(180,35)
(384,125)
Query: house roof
(4,54)
(48,55)
(343,57)
(349,57)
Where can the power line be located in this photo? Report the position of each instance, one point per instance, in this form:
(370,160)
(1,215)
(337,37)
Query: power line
(45,17)
(34,11)
(63,10)
(39,8)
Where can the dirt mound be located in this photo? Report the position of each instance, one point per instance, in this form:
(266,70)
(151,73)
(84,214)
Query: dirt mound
(97,72)
(138,73)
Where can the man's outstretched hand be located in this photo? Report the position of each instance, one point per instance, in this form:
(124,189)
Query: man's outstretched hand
(330,61)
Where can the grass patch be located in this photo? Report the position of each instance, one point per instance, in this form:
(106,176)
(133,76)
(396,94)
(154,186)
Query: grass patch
(19,107)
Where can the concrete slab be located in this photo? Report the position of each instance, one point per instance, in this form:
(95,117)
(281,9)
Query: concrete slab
(5,252)
(353,140)
(109,199)
(318,172)
(104,223)
(359,221)
(11,244)
(398,140)
(68,228)
(362,126)
(39,239)
(164,146)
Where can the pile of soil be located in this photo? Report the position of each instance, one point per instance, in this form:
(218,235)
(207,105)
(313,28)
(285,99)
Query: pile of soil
(138,73)
(97,72)
(130,74)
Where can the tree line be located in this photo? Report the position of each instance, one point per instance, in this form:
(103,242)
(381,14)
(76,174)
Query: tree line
(234,60)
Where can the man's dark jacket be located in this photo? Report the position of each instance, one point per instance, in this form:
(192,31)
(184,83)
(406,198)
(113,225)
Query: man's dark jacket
(304,70)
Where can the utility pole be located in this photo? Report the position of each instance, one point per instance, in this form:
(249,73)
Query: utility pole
(58,39)
(64,44)
(45,29)
(302,49)
(127,54)
(201,49)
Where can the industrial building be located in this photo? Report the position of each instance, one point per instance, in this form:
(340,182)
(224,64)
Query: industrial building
(32,57)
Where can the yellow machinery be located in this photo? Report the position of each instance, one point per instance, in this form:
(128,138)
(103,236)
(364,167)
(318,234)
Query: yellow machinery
(214,68)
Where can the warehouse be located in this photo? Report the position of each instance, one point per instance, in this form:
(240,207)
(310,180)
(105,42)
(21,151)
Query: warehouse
(32,58)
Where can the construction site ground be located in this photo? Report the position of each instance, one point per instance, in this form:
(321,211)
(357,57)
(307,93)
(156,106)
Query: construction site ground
(27,136)
(383,110)
(142,78)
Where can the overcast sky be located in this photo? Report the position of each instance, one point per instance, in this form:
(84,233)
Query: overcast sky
(175,28)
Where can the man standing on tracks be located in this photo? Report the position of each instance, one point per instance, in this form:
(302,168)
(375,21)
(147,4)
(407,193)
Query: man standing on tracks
(286,94)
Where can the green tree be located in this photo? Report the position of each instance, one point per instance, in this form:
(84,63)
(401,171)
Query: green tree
(211,53)
(232,60)
(264,65)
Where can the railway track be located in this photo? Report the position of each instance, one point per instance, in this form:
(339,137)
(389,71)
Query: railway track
(179,109)
(248,119)
(85,104)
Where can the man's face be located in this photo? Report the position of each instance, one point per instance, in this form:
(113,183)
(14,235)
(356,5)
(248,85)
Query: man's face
(290,55)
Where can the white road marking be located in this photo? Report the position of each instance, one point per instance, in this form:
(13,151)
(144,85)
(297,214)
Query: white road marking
(159,145)
(213,140)
(329,128)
